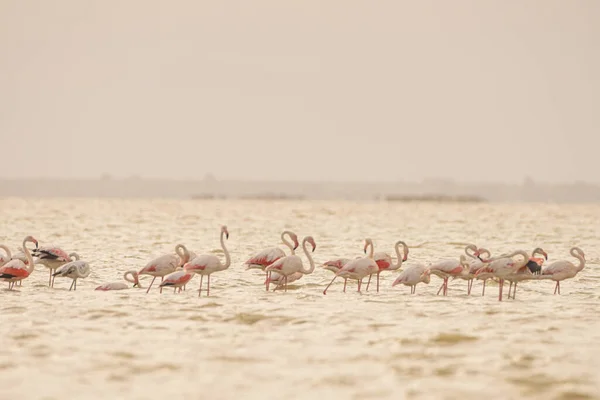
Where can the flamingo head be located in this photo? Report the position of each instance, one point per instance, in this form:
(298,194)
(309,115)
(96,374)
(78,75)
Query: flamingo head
(367,243)
(541,251)
(473,248)
(295,240)
(426,275)
(31,239)
(225,231)
(310,240)
(398,281)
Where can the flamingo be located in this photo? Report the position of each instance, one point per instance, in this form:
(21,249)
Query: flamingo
(447,268)
(358,268)
(535,263)
(121,285)
(164,265)
(290,265)
(269,256)
(51,257)
(413,275)
(279,279)
(504,266)
(534,266)
(561,270)
(206,264)
(17,270)
(474,266)
(177,279)
(77,269)
(384,261)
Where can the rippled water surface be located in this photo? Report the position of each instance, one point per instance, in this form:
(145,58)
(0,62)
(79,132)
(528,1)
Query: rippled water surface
(244,343)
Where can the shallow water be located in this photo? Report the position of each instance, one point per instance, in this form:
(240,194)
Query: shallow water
(242,342)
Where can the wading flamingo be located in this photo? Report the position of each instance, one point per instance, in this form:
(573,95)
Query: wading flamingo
(384,261)
(51,257)
(77,269)
(290,265)
(177,279)
(475,265)
(533,267)
(561,270)
(358,268)
(17,270)
(447,268)
(413,275)
(268,256)
(120,285)
(206,264)
(164,265)
(504,266)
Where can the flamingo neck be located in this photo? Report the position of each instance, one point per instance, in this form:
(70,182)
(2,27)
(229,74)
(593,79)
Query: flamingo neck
(471,247)
(370,244)
(288,244)
(74,256)
(227,256)
(7,250)
(133,280)
(310,260)
(29,265)
(578,256)
(404,251)
(182,253)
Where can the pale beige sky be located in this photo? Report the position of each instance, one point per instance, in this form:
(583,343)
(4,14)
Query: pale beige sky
(271,89)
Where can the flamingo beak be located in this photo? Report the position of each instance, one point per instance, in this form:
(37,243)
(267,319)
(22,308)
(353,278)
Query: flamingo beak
(314,247)
(404,258)
(546,256)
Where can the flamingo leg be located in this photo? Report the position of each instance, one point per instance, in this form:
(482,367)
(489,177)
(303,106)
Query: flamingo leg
(483,291)
(200,290)
(359,284)
(325,291)
(515,290)
(368,283)
(509,289)
(345,282)
(268,281)
(285,278)
(50,279)
(500,291)
(469,287)
(558,286)
(72,283)
(150,285)
(440,289)
(446,286)
(378,281)
(208,285)
(162,278)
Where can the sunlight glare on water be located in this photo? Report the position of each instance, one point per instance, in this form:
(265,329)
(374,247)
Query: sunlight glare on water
(242,342)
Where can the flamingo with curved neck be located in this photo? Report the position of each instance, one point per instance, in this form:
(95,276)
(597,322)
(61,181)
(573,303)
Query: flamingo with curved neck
(120,285)
(206,264)
(561,270)
(358,268)
(384,261)
(290,265)
(16,270)
(503,266)
(5,258)
(269,256)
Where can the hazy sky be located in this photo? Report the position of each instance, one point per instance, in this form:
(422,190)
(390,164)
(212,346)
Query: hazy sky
(272,89)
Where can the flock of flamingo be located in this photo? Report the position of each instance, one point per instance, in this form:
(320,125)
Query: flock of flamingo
(176,270)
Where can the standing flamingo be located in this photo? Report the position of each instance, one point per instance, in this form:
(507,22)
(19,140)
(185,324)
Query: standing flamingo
(447,268)
(384,261)
(561,270)
(269,256)
(177,279)
(206,264)
(77,269)
(17,270)
(413,275)
(358,268)
(51,257)
(290,265)
(121,285)
(535,263)
(503,266)
(474,265)
(164,265)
